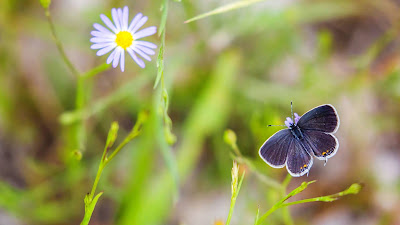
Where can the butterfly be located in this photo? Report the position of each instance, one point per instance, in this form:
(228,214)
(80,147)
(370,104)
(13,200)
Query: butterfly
(307,136)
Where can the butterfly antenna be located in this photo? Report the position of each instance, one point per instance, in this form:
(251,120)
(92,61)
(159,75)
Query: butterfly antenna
(269,125)
(291,109)
(326,160)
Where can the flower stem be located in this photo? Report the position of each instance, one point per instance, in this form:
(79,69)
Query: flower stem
(353,189)
(90,199)
(96,181)
(285,211)
(93,72)
(235,192)
(59,44)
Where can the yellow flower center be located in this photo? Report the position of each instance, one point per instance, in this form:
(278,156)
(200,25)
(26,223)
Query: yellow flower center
(124,39)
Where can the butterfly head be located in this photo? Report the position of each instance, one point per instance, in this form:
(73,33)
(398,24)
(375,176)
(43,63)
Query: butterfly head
(289,122)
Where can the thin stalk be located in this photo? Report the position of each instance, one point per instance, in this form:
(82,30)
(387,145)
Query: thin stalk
(353,189)
(93,72)
(120,146)
(90,199)
(59,44)
(287,219)
(235,193)
(97,179)
(79,103)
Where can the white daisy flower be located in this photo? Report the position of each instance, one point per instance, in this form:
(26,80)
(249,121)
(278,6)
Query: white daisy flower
(123,36)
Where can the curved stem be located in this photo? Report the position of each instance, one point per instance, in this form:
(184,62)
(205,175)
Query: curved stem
(287,219)
(59,45)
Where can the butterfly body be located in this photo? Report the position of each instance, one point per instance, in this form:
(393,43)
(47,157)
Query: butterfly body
(296,131)
(308,136)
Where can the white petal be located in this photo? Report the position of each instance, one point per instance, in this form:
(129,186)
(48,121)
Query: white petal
(122,60)
(111,56)
(101,28)
(106,50)
(139,24)
(96,33)
(135,20)
(119,11)
(146,44)
(101,45)
(108,23)
(135,58)
(125,18)
(116,58)
(141,53)
(120,16)
(101,40)
(145,32)
(146,50)
(115,17)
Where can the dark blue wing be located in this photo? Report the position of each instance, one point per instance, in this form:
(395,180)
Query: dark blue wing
(322,118)
(323,145)
(299,161)
(275,149)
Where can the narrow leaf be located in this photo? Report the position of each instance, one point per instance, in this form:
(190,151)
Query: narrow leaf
(222,9)
(89,207)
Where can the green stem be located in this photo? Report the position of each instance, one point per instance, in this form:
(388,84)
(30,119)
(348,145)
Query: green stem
(97,179)
(353,189)
(279,204)
(120,146)
(285,211)
(327,198)
(79,131)
(93,72)
(59,44)
(233,200)
(90,200)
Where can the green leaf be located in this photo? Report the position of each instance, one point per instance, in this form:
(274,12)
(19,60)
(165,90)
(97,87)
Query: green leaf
(225,8)
(257,215)
(90,204)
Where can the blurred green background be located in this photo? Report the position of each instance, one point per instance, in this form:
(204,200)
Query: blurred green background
(238,70)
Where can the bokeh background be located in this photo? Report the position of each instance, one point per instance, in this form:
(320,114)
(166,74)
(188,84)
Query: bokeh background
(238,70)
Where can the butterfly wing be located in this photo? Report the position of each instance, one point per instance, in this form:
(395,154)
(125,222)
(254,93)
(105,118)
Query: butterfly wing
(323,145)
(323,118)
(299,161)
(275,149)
